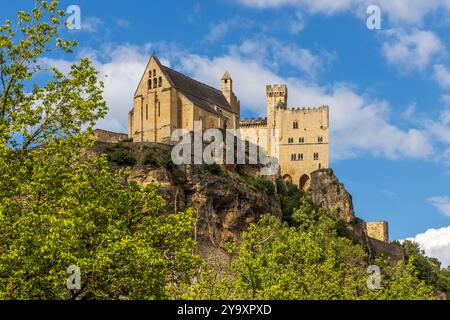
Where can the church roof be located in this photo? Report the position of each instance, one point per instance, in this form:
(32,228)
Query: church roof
(199,93)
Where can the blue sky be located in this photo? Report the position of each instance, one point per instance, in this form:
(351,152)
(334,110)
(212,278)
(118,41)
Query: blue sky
(388,89)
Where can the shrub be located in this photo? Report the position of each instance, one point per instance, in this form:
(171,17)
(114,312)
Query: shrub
(259,184)
(214,169)
(149,159)
(291,199)
(122,157)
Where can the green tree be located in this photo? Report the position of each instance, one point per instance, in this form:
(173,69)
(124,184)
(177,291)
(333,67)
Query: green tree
(305,260)
(428,269)
(60,208)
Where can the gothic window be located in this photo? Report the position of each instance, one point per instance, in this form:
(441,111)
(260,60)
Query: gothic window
(295,125)
(154,72)
(292,157)
(149,84)
(301,140)
(290,140)
(155,83)
(160,82)
(316,156)
(300,157)
(320,139)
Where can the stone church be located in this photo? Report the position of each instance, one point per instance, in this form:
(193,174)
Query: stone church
(166,100)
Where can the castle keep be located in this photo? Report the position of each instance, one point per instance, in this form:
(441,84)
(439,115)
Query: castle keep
(302,135)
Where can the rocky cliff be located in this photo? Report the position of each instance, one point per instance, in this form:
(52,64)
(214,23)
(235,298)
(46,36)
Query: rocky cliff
(228,198)
(326,191)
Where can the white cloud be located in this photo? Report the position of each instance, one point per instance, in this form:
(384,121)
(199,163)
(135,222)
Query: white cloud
(274,53)
(399,11)
(121,69)
(446,100)
(436,244)
(442,76)
(219,30)
(442,203)
(440,128)
(410,111)
(297,24)
(411,51)
(123,23)
(91,24)
(314,6)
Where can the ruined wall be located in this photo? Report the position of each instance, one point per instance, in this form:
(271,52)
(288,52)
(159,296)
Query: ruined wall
(378,230)
(108,136)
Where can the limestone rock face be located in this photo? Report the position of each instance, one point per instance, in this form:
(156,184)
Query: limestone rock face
(227,201)
(327,192)
(225,204)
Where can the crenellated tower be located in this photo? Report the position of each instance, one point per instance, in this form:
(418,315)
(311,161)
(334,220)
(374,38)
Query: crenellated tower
(277,96)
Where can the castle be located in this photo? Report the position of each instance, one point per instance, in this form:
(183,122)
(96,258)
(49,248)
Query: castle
(166,100)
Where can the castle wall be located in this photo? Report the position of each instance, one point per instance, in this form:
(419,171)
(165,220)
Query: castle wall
(307,139)
(378,230)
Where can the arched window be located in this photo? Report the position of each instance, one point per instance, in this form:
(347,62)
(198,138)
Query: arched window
(290,140)
(295,125)
(300,157)
(149,84)
(320,139)
(316,156)
(155,83)
(301,140)
(154,72)
(160,82)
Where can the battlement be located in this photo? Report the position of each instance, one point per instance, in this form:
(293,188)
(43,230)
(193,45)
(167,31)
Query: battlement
(310,109)
(276,90)
(253,122)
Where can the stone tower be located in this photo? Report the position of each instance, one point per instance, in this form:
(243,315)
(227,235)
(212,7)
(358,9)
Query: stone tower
(227,91)
(277,96)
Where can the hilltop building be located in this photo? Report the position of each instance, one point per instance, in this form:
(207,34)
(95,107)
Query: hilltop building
(166,100)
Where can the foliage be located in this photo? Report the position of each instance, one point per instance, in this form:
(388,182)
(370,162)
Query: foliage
(428,269)
(258,184)
(214,169)
(122,157)
(290,199)
(307,260)
(118,234)
(150,160)
(59,208)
